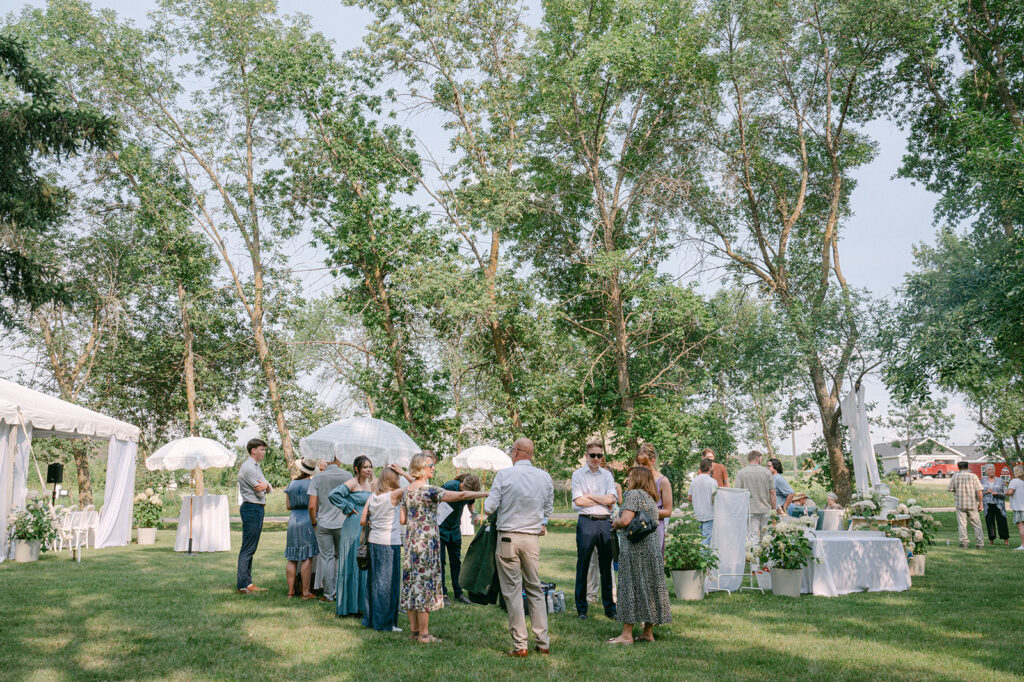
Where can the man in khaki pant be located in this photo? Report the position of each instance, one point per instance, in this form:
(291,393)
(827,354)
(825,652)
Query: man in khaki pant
(523,496)
(967,497)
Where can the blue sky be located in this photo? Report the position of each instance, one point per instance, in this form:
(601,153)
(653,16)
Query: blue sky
(890,215)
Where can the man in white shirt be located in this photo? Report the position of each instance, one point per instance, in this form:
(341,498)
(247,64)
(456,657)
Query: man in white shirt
(523,497)
(701,496)
(593,494)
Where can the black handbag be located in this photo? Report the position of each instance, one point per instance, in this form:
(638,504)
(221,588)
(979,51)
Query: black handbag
(640,527)
(363,551)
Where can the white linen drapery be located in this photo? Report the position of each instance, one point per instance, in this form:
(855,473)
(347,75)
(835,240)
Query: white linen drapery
(729,538)
(116,517)
(865,466)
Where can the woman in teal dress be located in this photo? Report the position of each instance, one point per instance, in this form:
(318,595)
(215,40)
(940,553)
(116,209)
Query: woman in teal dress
(351,497)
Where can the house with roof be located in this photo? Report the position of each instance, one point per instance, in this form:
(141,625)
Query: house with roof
(926,450)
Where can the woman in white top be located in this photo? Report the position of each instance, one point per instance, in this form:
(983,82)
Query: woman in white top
(1015,491)
(384,575)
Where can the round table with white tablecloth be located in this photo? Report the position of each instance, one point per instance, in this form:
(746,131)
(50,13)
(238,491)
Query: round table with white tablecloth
(211,524)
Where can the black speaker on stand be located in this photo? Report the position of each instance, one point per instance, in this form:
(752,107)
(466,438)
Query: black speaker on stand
(55,475)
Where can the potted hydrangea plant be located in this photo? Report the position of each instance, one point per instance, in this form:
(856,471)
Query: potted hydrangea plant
(687,558)
(787,550)
(146,515)
(32,529)
(922,530)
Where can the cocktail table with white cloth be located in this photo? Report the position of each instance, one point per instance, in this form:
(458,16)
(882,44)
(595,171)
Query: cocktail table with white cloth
(211,524)
(853,561)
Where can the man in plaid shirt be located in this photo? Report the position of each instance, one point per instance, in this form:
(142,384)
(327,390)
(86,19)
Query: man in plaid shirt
(967,496)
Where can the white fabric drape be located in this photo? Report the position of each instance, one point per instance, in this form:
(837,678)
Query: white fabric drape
(729,538)
(116,517)
(6,485)
(211,524)
(22,450)
(855,415)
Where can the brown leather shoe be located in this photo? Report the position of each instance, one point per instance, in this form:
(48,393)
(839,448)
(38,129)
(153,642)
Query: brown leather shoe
(517,653)
(541,651)
(325,599)
(246,590)
(253,588)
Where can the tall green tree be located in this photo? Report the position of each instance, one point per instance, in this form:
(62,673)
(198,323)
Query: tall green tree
(613,86)
(34,125)
(797,78)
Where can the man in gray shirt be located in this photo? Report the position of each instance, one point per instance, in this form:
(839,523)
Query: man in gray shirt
(253,488)
(523,497)
(327,521)
(758,481)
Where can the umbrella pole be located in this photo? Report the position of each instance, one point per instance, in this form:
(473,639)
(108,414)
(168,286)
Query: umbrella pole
(191,500)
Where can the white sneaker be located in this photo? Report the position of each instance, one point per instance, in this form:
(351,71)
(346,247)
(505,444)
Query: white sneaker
(1018,549)
(395,629)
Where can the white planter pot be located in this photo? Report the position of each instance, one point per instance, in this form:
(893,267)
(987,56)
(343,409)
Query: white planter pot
(689,585)
(26,550)
(917,564)
(147,536)
(786,582)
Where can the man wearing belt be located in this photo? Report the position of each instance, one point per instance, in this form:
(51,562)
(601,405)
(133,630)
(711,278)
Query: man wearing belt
(253,487)
(593,494)
(523,497)
(327,520)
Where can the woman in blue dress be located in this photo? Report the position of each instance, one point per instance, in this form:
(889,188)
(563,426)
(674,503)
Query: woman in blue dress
(351,497)
(300,543)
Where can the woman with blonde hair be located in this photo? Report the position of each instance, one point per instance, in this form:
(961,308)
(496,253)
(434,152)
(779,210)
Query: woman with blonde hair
(1015,491)
(642,594)
(647,457)
(383,577)
(421,566)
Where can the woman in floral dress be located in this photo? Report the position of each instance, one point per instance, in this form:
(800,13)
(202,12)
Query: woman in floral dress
(642,593)
(421,561)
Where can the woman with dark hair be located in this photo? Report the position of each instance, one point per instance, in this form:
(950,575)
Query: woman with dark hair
(642,594)
(350,497)
(783,490)
(300,543)
(647,456)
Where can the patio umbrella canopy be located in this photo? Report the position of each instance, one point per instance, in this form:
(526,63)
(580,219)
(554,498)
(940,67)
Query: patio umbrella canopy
(190,453)
(383,442)
(482,458)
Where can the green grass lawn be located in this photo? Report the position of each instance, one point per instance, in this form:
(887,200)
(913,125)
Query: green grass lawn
(148,613)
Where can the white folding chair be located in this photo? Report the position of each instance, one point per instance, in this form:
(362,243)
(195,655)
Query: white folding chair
(92,525)
(65,536)
(79,532)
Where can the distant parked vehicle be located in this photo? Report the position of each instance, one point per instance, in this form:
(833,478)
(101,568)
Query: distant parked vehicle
(937,469)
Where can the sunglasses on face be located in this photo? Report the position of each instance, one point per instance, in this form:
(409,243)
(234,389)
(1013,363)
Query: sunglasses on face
(595,455)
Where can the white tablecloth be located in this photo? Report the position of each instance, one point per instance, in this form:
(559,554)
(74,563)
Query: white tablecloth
(853,561)
(211,524)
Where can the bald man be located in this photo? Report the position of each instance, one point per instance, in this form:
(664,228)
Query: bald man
(523,497)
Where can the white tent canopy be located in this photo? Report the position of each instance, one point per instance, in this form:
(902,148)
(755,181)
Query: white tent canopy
(26,413)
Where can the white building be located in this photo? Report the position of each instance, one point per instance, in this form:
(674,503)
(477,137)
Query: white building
(894,457)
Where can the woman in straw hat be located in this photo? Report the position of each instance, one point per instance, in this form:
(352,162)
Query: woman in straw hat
(300,546)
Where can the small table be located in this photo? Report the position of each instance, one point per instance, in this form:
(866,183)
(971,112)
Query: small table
(857,522)
(211,524)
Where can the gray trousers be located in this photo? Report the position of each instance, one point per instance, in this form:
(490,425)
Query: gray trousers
(329,541)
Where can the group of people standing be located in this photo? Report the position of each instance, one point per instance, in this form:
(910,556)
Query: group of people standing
(973,496)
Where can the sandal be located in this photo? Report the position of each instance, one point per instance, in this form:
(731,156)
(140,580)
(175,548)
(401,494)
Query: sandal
(309,596)
(616,640)
(429,639)
(414,636)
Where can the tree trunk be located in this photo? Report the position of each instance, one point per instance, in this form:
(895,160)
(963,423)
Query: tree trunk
(80,450)
(380,294)
(263,351)
(618,323)
(505,373)
(190,379)
(827,408)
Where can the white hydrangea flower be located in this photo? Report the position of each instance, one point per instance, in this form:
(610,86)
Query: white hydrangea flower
(149,492)
(918,535)
(155,499)
(902,509)
(915,510)
(911,502)
(917,524)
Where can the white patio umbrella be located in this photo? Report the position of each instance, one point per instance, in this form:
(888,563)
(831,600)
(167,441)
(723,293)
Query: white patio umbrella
(383,442)
(482,458)
(190,453)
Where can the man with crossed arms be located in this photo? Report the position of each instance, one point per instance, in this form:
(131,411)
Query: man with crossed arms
(523,497)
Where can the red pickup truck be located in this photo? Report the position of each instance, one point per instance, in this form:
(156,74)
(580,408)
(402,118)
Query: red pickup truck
(937,469)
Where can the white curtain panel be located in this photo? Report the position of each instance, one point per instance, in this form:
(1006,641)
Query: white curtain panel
(116,518)
(6,485)
(729,538)
(23,448)
(855,415)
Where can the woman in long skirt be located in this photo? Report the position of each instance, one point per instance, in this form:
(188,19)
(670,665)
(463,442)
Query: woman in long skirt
(384,576)
(350,497)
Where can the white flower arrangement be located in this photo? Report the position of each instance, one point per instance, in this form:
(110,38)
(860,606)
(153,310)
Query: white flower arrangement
(902,508)
(863,506)
(149,492)
(918,536)
(915,510)
(911,502)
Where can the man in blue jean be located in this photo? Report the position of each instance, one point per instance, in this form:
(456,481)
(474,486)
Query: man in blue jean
(701,496)
(253,487)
